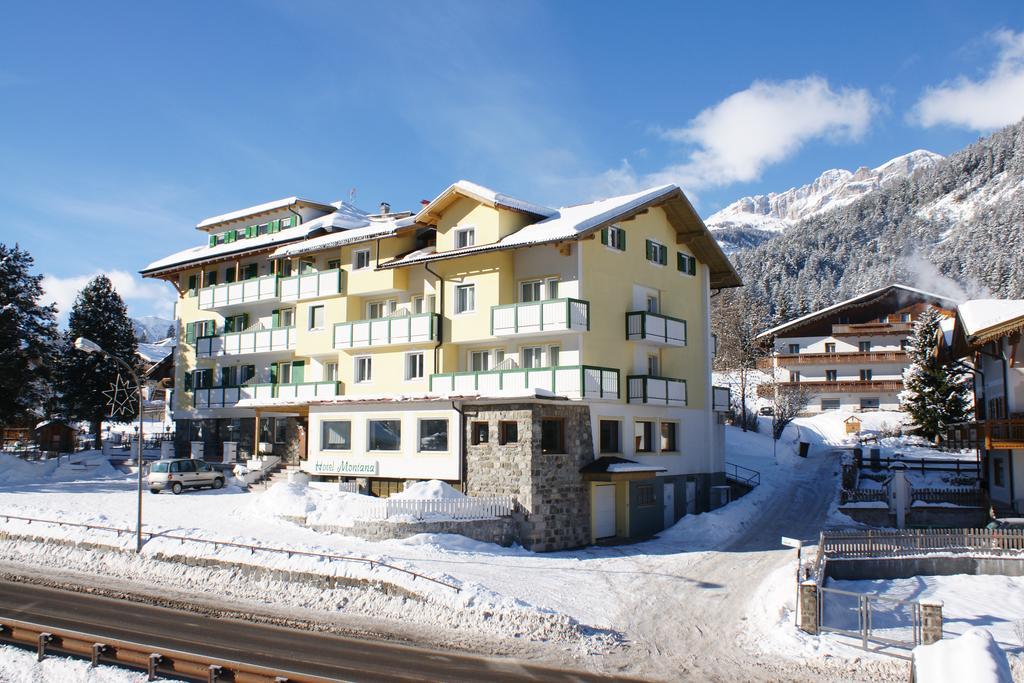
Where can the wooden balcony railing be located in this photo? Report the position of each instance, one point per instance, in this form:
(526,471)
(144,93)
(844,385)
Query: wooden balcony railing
(989,434)
(852,357)
(868,329)
(842,387)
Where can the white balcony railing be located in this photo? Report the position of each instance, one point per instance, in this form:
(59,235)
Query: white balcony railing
(248,291)
(571,381)
(662,391)
(311,285)
(225,397)
(405,329)
(540,317)
(654,328)
(239,343)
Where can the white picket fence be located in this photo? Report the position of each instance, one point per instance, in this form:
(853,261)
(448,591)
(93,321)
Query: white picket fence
(471,507)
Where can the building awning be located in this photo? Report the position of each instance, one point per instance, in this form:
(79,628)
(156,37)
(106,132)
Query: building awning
(611,468)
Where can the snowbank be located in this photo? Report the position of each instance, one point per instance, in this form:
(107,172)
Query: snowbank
(17,664)
(14,470)
(428,490)
(974,656)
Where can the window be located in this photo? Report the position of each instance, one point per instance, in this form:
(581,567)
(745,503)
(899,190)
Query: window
(211,278)
(229,377)
(364,369)
(202,379)
(614,237)
(794,375)
(384,435)
(686,264)
(336,435)
(644,436)
(794,348)
(480,433)
(652,304)
(284,317)
(668,436)
(869,404)
(331,372)
(316,318)
(530,291)
(284,268)
(904,317)
(417,305)
(334,264)
(499,357)
(657,253)
(284,373)
(553,353)
(247,373)
(433,435)
(865,375)
(653,366)
(360,259)
(998,479)
(414,366)
(552,435)
(431,299)
(465,237)
(508,432)
(236,323)
(830,404)
(531,357)
(229,274)
(645,495)
(479,361)
(552,286)
(250,271)
(267,429)
(263,229)
(610,439)
(306,267)
(883,318)
(381,309)
(280,430)
(904,344)
(831,375)
(465,298)
(830,347)
(864,346)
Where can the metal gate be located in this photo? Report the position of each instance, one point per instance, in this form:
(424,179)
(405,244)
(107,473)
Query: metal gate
(870,618)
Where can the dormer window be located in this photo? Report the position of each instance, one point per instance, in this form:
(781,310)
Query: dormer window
(465,237)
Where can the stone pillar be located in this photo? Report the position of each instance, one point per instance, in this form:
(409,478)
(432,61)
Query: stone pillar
(809,607)
(931,621)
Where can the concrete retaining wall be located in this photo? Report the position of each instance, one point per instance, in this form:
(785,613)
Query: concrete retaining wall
(502,530)
(907,567)
(921,516)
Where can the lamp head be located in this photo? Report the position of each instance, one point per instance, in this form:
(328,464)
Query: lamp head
(87,345)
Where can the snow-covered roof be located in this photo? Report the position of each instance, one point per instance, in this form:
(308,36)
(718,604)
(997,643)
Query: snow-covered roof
(205,252)
(275,205)
(573,222)
(154,353)
(979,315)
(854,300)
(482,194)
(370,229)
(610,464)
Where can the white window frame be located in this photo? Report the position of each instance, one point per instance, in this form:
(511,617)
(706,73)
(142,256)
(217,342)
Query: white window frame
(360,362)
(331,371)
(471,299)
(661,248)
(536,287)
(419,433)
(313,327)
(324,447)
(485,354)
(613,238)
(281,313)
(553,352)
(537,352)
(653,365)
(282,370)
(417,305)
(388,308)
(430,303)
(675,439)
(355,259)
(656,300)
(422,363)
(465,237)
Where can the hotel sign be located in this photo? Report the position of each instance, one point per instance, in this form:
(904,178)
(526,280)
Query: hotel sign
(342,466)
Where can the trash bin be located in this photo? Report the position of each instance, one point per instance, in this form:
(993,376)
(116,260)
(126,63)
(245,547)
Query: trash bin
(876,459)
(805,448)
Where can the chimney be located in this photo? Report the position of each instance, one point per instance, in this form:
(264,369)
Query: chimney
(385,208)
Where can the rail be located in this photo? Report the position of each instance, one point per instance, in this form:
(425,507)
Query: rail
(922,464)
(839,358)
(742,475)
(847,544)
(156,661)
(988,434)
(230,544)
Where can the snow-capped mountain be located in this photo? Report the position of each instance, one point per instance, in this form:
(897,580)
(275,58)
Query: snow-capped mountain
(752,220)
(151,328)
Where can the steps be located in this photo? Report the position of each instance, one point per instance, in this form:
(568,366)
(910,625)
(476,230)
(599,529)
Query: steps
(279,473)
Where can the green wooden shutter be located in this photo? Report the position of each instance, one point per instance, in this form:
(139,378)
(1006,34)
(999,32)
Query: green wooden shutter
(188,381)
(298,371)
(622,239)
(273,373)
(604,236)
(274,226)
(692,266)
(680,261)
(191,282)
(190,333)
(647,249)
(213,240)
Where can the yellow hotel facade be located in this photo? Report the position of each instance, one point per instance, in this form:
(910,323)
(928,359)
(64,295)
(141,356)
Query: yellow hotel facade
(559,355)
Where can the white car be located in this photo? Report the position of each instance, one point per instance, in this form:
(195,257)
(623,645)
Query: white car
(181,473)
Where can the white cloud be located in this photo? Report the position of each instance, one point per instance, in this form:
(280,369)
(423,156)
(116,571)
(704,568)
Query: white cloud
(143,297)
(736,139)
(994,101)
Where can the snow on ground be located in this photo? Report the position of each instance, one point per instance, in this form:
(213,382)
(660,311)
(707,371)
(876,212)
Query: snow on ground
(20,666)
(974,656)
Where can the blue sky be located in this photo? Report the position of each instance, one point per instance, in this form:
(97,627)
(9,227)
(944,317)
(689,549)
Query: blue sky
(124,124)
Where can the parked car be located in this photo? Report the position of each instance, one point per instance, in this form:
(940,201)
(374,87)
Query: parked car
(766,410)
(180,473)
(1006,523)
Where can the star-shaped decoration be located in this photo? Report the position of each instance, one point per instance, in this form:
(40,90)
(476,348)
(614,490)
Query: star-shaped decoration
(121,397)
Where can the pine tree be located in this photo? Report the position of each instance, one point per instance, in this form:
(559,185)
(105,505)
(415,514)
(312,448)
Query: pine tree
(28,336)
(935,395)
(171,332)
(99,314)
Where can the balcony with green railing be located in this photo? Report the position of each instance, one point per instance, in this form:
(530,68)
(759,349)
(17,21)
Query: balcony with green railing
(395,331)
(227,397)
(251,291)
(655,328)
(533,318)
(654,390)
(246,342)
(569,381)
(311,285)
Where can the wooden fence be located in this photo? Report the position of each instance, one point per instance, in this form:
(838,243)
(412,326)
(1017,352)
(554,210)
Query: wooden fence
(838,544)
(922,464)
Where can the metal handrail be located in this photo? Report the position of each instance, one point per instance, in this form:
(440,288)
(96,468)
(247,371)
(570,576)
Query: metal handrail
(752,479)
(229,544)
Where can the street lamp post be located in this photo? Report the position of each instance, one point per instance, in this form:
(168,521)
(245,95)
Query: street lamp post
(89,346)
